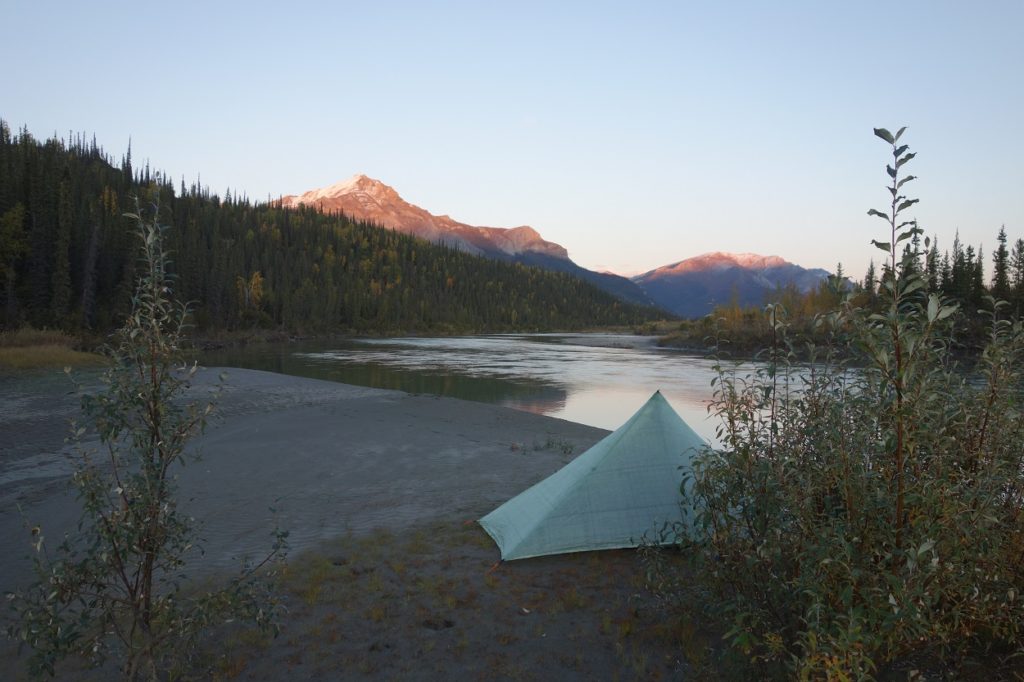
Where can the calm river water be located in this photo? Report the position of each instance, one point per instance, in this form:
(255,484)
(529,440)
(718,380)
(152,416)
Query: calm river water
(595,379)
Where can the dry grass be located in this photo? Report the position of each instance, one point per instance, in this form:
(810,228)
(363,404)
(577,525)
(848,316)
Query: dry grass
(30,348)
(365,607)
(30,336)
(395,605)
(40,357)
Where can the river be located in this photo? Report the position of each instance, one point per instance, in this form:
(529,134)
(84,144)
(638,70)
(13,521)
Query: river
(594,379)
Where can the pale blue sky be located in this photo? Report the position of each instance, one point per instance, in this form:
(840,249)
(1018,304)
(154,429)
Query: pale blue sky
(634,134)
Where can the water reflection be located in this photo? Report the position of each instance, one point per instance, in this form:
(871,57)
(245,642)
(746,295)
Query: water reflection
(361,364)
(575,377)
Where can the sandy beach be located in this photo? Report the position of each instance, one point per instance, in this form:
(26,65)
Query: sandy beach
(332,459)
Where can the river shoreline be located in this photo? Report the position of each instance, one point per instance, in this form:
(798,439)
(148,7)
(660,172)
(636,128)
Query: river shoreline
(330,458)
(389,574)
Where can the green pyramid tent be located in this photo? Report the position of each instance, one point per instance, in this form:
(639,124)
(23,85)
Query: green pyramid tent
(623,488)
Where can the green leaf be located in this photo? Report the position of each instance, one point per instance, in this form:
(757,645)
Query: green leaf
(900,150)
(883,216)
(885,135)
(946,311)
(933,307)
(913,285)
(899,134)
(905,180)
(907,204)
(884,246)
(891,171)
(908,157)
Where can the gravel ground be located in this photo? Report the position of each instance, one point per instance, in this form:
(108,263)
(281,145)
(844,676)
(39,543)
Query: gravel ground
(389,576)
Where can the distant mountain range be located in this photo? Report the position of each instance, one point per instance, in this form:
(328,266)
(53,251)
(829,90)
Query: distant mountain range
(688,288)
(692,287)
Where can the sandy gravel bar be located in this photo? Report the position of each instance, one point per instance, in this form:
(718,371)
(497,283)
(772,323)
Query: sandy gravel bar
(331,458)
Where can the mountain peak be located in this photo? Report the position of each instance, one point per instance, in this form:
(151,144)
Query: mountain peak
(365,198)
(357,183)
(692,287)
(719,260)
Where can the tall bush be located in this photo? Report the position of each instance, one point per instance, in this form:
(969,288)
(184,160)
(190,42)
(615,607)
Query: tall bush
(117,586)
(865,510)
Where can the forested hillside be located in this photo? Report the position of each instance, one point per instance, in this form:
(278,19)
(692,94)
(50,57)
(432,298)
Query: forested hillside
(68,256)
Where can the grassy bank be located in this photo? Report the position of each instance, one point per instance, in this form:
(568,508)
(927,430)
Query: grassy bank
(29,348)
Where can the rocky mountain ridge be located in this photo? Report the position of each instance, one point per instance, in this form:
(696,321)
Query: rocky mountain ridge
(367,199)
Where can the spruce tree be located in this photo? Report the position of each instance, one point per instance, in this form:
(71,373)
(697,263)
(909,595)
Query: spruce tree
(1001,268)
(1017,275)
(870,279)
(931,266)
(978,291)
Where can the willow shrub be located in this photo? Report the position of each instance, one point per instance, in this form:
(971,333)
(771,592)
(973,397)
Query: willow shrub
(119,587)
(866,512)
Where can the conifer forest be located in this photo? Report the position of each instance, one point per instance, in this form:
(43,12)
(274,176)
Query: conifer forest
(68,255)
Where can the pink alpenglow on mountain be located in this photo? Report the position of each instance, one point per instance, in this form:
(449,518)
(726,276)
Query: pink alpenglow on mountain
(366,199)
(719,260)
(692,287)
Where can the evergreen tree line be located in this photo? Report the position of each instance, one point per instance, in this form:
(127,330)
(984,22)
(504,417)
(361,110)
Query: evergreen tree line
(959,274)
(69,259)
(957,277)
